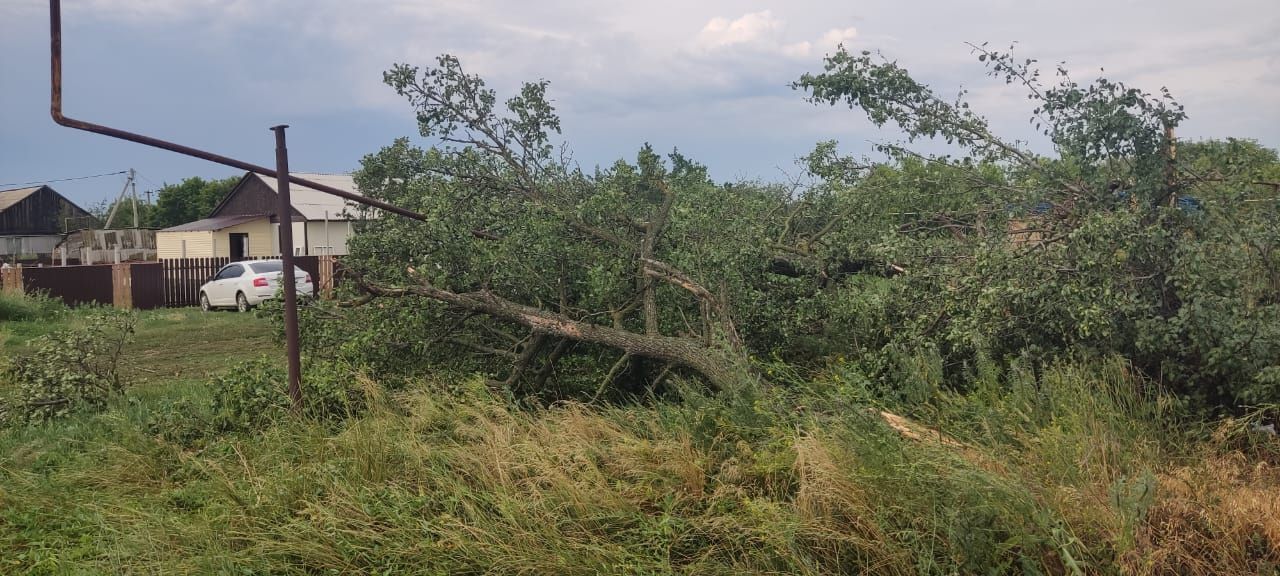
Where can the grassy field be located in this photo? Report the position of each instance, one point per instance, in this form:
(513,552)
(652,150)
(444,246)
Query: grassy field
(1078,474)
(171,345)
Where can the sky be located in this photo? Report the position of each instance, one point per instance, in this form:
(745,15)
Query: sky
(710,78)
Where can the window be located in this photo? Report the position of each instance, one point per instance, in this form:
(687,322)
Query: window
(267,266)
(232,271)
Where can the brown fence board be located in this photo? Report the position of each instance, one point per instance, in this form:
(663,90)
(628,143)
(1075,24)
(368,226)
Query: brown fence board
(184,276)
(148,290)
(169,283)
(73,284)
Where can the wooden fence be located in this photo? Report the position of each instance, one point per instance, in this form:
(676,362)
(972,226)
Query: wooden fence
(171,283)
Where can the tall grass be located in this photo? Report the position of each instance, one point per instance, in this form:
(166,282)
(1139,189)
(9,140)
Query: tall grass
(29,307)
(1084,472)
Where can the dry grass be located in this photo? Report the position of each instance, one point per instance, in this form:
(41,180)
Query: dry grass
(1079,477)
(1220,515)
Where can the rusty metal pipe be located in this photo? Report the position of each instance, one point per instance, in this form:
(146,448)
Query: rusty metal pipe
(55,109)
(281,174)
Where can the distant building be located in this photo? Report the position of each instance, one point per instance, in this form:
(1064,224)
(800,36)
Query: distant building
(33,221)
(245,224)
(90,246)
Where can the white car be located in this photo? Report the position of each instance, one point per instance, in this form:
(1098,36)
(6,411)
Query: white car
(243,285)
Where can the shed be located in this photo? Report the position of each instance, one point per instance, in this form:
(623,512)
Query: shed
(33,220)
(244,236)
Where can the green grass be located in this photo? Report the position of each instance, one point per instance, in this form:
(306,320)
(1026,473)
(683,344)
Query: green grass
(170,345)
(187,344)
(1080,472)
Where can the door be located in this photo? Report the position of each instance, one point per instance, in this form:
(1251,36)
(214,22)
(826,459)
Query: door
(222,290)
(239,246)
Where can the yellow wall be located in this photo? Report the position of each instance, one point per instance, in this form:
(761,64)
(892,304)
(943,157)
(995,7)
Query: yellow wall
(259,231)
(209,244)
(199,244)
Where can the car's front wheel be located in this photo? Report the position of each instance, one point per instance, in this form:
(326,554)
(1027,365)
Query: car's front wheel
(204,303)
(242,302)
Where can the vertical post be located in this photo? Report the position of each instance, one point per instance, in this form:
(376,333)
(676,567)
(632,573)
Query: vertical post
(284,214)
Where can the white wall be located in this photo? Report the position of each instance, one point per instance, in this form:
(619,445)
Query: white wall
(328,237)
(299,239)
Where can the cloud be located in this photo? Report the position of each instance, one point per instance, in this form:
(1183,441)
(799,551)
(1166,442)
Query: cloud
(837,36)
(711,73)
(764,33)
(797,50)
(750,28)
(168,11)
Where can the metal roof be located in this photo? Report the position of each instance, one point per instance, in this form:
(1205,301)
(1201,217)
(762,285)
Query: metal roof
(316,205)
(10,197)
(215,223)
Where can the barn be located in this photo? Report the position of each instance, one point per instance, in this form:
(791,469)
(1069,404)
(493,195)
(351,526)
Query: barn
(33,221)
(245,223)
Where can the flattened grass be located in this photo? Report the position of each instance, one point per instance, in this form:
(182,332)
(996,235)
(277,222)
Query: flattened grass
(1081,471)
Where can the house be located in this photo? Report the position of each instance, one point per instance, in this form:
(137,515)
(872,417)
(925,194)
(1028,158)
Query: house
(245,223)
(33,220)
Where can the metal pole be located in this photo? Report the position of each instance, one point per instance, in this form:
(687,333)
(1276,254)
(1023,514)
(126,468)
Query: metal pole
(284,213)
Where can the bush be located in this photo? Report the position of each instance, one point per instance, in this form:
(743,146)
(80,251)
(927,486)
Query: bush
(28,307)
(254,394)
(72,370)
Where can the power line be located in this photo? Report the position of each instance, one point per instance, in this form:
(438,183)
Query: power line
(66,179)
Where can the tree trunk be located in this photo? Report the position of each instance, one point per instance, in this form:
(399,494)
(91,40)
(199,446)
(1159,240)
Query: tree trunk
(721,369)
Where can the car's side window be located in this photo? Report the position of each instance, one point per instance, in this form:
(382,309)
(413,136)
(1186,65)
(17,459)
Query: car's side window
(233,271)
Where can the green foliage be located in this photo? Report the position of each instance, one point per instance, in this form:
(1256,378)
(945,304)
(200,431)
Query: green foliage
(510,219)
(147,216)
(69,371)
(29,307)
(1126,242)
(192,199)
(254,394)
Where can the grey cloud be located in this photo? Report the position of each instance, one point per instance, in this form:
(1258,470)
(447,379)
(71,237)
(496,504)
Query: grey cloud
(623,73)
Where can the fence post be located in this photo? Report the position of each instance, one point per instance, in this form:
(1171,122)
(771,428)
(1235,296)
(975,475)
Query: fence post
(122,286)
(11,280)
(326,276)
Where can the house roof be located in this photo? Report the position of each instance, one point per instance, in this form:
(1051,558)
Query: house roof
(313,204)
(214,224)
(10,197)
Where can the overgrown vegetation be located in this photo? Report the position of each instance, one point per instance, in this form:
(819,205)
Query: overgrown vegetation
(994,361)
(29,307)
(248,396)
(1081,470)
(560,283)
(73,370)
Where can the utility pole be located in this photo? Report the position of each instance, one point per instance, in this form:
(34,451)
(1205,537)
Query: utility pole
(120,198)
(133,185)
(284,213)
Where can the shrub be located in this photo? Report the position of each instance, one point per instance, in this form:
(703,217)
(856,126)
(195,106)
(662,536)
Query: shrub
(254,394)
(72,370)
